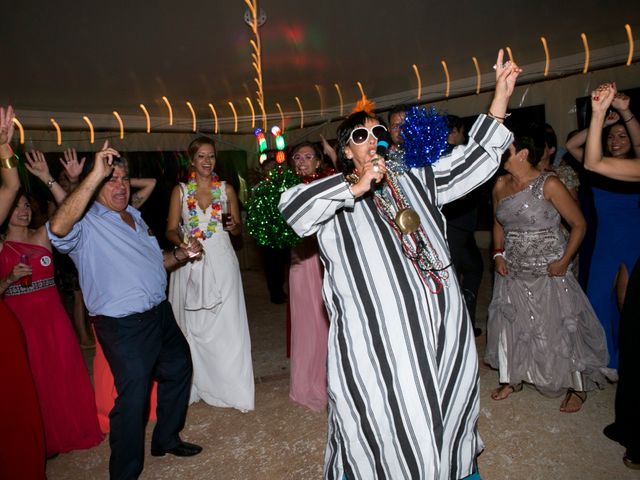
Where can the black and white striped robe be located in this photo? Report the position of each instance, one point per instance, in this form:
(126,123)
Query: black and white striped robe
(402,362)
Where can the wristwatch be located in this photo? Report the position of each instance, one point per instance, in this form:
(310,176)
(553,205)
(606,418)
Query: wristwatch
(50,183)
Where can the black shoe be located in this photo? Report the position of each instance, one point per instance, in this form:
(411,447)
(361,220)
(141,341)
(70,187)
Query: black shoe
(631,462)
(612,432)
(183,449)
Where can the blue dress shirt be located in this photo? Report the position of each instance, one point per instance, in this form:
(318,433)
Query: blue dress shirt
(121,269)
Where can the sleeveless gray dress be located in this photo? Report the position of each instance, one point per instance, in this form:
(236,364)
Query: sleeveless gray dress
(542,330)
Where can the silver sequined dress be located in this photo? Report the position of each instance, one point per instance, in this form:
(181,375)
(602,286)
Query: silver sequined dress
(542,330)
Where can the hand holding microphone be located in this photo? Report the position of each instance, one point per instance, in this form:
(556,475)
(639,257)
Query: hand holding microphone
(382,149)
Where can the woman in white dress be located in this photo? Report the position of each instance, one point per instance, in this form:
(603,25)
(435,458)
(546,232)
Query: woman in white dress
(206,294)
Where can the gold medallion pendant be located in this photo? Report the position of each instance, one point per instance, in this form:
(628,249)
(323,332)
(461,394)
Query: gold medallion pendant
(407,221)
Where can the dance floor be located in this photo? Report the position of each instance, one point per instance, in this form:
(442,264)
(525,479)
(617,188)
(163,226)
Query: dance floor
(525,436)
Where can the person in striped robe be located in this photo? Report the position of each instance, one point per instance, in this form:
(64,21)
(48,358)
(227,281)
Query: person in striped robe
(402,363)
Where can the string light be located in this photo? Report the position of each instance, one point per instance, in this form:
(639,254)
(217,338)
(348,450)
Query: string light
(146,115)
(585,44)
(478,75)
(281,115)
(415,69)
(215,118)
(117,115)
(546,55)
(58,132)
(235,117)
(193,116)
(20,129)
(166,101)
(340,97)
(627,27)
(253,113)
(91,135)
(321,99)
(256,44)
(301,113)
(446,74)
(508,49)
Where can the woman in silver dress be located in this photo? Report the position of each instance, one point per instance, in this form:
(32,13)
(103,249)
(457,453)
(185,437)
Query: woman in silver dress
(542,329)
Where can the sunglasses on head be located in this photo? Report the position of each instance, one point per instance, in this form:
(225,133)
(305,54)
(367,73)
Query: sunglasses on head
(361,134)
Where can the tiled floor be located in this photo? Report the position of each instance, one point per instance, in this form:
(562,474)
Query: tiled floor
(526,437)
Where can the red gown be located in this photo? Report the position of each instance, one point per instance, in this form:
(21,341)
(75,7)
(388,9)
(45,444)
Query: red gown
(106,392)
(66,397)
(22,452)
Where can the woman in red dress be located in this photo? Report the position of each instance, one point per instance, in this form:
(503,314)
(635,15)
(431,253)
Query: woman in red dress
(22,452)
(66,397)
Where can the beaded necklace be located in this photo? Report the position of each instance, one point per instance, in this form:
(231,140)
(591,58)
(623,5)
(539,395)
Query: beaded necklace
(192,204)
(416,245)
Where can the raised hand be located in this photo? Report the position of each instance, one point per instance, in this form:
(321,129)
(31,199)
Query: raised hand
(601,99)
(621,102)
(37,165)
(6,124)
(506,75)
(72,167)
(103,164)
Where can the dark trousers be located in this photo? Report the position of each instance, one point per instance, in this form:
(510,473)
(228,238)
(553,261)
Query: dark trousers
(626,406)
(276,262)
(138,348)
(467,260)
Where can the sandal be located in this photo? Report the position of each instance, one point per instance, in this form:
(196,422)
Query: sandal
(505,389)
(582,396)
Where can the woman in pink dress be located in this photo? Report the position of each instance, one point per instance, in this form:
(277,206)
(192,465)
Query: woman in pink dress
(66,397)
(309,321)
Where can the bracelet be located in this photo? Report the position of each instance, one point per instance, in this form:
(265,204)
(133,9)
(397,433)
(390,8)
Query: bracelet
(50,183)
(629,119)
(176,256)
(495,117)
(10,162)
(497,252)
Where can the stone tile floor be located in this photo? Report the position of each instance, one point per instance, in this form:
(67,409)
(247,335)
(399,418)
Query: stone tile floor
(526,436)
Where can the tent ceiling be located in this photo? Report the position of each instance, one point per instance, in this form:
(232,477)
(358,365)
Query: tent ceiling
(96,57)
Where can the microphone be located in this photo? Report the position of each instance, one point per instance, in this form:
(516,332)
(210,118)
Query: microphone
(382,149)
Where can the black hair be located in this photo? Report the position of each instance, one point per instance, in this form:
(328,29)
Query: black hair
(605,135)
(402,108)
(357,119)
(454,121)
(533,139)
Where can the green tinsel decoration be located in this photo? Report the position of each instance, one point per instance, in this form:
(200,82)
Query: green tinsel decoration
(264,221)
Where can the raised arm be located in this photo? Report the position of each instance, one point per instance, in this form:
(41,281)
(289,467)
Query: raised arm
(8,163)
(146,186)
(307,206)
(468,166)
(329,151)
(594,160)
(75,204)
(72,167)
(37,165)
(621,104)
(575,145)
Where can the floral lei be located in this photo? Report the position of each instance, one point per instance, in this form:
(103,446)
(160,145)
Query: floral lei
(192,203)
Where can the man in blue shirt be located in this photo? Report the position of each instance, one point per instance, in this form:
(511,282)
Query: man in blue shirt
(123,279)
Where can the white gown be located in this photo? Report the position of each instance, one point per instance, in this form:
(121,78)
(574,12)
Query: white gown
(208,303)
